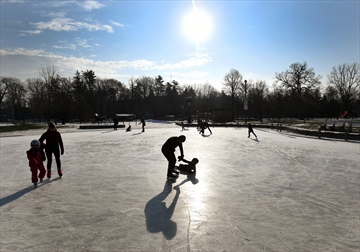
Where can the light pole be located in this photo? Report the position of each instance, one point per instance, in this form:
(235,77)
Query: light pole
(245,103)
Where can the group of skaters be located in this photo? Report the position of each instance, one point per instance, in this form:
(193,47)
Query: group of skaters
(40,151)
(53,145)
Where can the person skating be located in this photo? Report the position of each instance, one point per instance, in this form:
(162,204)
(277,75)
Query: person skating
(168,150)
(205,125)
(116,122)
(250,130)
(143,124)
(36,158)
(53,142)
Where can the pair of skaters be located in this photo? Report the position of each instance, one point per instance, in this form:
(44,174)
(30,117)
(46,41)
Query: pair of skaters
(168,150)
(36,156)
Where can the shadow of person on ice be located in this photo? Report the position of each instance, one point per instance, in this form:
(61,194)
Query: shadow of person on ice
(158,215)
(15,196)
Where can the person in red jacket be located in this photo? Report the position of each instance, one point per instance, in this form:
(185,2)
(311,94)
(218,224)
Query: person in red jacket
(36,157)
(53,142)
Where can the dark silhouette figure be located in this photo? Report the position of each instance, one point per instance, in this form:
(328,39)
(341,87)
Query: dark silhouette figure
(53,142)
(168,150)
(205,125)
(98,119)
(158,215)
(143,124)
(251,130)
(189,166)
(116,122)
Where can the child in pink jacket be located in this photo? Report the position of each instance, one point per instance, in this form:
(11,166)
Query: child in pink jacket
(36,157)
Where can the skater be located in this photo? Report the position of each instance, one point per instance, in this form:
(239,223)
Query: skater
(189,167)
(36,157)
(205,125)
(53,142)
(251,130)
(116,122)
(143,124)
(168,150)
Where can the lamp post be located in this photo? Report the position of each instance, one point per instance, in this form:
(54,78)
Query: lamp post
(245,102)
(189,104)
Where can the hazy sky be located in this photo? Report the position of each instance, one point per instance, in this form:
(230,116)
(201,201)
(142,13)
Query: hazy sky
(120,39)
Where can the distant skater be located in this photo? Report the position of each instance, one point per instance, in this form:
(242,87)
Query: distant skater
(116,122)
(182,126)
(36,158)
(143,124)
(53,142)
(168,150)
(205,125)
(251,130)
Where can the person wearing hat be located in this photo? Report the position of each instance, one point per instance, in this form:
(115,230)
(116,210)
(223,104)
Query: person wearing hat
(53,142)
(36,158)
(168,150)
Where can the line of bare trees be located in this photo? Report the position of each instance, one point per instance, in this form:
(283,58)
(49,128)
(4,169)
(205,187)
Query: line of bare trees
(296,92)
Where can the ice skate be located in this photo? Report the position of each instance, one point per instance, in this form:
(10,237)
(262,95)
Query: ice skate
(49,175)
(60,173)
(35,185)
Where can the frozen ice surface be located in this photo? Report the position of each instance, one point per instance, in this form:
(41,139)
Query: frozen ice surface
(278,193)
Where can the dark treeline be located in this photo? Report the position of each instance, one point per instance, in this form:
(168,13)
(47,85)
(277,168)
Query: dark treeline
(296,92)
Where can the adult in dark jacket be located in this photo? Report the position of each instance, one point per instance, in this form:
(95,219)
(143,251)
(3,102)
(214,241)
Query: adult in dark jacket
(53,142)
(168,150)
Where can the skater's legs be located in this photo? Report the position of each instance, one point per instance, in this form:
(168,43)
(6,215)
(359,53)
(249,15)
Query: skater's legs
(42,171)
(34,170)
(48,152)
(56,152)
(170,156)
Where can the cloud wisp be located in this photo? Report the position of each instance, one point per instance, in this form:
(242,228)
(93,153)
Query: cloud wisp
(68,24)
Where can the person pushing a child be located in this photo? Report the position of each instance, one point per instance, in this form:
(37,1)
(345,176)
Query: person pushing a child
(168,150)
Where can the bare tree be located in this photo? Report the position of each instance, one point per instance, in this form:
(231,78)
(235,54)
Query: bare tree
(16,96)
(257,94)
(299,78)
(346,80)
(36,97)
(4,86)
(232,85)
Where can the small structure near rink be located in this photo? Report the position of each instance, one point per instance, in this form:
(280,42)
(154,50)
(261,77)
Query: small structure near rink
(109,124)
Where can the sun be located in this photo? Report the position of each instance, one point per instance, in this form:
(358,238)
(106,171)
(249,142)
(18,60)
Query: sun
(197,25)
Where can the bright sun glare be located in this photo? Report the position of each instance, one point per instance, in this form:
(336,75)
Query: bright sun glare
(197,25)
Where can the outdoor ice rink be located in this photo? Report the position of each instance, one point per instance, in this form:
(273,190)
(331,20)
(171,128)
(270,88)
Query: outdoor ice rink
(281,192)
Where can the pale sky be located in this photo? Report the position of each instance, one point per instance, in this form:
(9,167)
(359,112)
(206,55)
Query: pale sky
(123,39)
